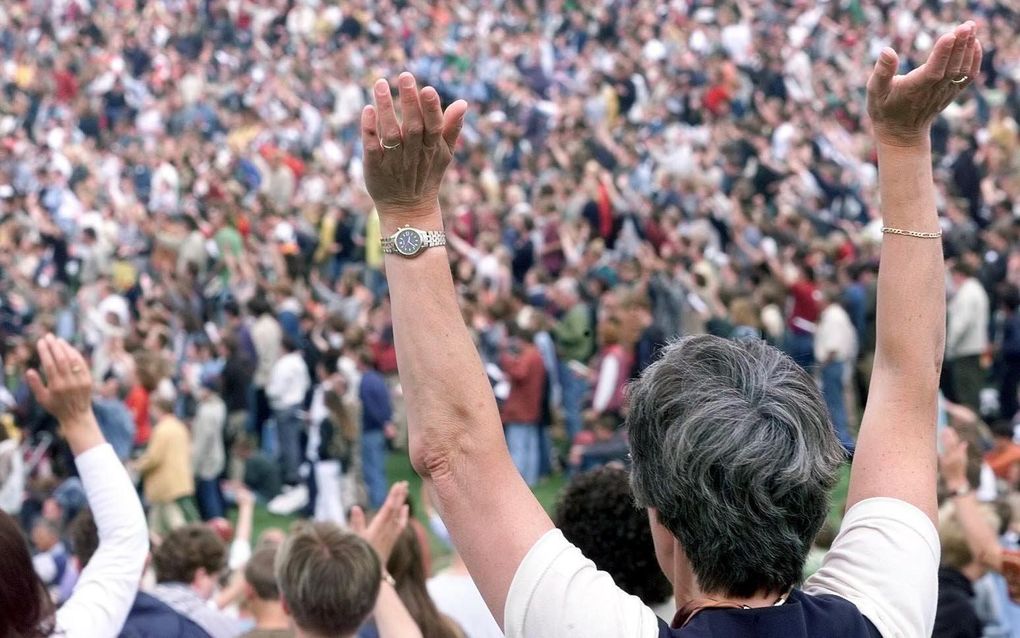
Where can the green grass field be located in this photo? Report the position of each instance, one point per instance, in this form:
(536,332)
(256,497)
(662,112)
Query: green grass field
(399,469)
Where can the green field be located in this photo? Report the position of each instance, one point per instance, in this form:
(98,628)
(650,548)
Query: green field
(399,469)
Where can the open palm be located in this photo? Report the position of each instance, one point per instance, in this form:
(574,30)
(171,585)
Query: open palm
(902,107)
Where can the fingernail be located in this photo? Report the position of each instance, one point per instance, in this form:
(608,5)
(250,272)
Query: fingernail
(380,87)
(407,81)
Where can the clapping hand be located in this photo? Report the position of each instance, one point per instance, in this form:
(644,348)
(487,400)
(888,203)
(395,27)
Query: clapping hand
(902,107)
(405,159)
(391,519)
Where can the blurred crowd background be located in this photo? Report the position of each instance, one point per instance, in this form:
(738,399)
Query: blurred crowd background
(181,196)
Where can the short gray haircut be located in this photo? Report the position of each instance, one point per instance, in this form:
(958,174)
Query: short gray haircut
(732,444)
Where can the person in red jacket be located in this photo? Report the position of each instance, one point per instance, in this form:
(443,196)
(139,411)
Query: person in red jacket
(522,410)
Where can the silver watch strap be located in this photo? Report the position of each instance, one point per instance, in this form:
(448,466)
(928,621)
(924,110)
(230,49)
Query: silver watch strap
(434,238)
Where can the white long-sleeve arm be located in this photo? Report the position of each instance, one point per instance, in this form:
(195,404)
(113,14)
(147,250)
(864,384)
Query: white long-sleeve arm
(108,585)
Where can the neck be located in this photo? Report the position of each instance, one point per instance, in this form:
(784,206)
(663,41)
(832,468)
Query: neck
(269,614)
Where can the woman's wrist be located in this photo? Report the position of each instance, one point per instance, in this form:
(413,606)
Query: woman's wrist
(82,433)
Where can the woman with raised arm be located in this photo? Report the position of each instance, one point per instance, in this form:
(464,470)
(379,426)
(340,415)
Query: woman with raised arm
(107,586)
(733,452)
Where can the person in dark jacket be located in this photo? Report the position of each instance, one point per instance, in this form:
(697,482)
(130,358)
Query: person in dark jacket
(956,615)
(148,618)
(376,427)
(1009,352)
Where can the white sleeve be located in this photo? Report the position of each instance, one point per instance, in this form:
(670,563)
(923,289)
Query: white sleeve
(558,593)
(609,374)
(108,584)
(885,561)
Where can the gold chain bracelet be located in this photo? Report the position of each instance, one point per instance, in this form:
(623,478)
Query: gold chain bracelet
(910,233)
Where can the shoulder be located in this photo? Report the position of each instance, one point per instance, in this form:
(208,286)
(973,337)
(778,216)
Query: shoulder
(884,561)
(556,591)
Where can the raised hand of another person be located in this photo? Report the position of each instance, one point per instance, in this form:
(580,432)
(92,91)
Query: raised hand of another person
(391,519)
(66,392)
(902,107)
(953,461)
(406,158)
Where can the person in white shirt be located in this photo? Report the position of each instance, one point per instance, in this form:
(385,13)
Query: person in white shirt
(835,353)
(733,454)
(107,586)
(966,336)
(289,382)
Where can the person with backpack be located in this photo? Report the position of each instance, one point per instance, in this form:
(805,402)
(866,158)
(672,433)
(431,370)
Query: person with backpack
(332,435)
(733,453)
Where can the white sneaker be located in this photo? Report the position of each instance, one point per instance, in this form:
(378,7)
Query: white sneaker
(289,502)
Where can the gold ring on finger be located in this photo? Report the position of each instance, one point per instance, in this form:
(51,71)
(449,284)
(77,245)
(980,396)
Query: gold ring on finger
(75,369)
(390,147)
(961,79)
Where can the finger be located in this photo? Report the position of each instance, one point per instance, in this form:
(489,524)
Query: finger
(370,135)
(388,127)
(968,52)
(357,520)
(959,49)
(974,70)
(938,60)
(453,122)
(405,513)
(432,115)
(410,112)
(54,365)
(38,388)
(74,359)
(885,70)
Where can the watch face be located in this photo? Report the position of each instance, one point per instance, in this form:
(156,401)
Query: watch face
(408,242)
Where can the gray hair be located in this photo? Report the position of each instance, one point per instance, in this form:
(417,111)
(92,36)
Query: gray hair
(732,444)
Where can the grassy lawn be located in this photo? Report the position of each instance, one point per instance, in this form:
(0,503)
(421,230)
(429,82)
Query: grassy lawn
(399,469)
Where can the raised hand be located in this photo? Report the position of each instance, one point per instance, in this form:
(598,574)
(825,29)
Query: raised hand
(902,107)
(391,519)
(405,160)
(953,460)
(67,392)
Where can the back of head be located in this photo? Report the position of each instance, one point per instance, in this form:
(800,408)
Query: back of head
(186,550)
(407,566)
(329,579)
(732,445)
(596,513)
(25,607)
(260,574)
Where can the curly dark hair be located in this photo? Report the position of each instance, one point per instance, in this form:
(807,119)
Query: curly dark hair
(186,550)
(596,512)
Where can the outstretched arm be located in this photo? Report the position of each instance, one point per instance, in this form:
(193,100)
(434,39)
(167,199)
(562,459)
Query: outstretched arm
(455,434)
(895,454)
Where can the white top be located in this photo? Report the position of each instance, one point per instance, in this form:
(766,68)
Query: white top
(885,561)
(835,335)
(288,382)
(108,584)
(967,330)
(456,596)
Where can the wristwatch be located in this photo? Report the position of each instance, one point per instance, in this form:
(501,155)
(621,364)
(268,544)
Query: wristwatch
(411,242)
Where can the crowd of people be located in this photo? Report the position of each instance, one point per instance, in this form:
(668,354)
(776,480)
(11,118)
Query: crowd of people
(183,200)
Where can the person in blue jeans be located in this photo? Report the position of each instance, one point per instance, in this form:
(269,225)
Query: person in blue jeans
(376,427)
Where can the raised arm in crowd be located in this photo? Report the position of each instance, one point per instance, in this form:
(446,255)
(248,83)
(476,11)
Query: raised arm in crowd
(733,453)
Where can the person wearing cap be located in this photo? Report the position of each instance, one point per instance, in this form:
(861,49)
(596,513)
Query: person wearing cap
(733,455)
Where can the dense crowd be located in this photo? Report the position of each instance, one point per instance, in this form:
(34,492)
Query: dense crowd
(182,199)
